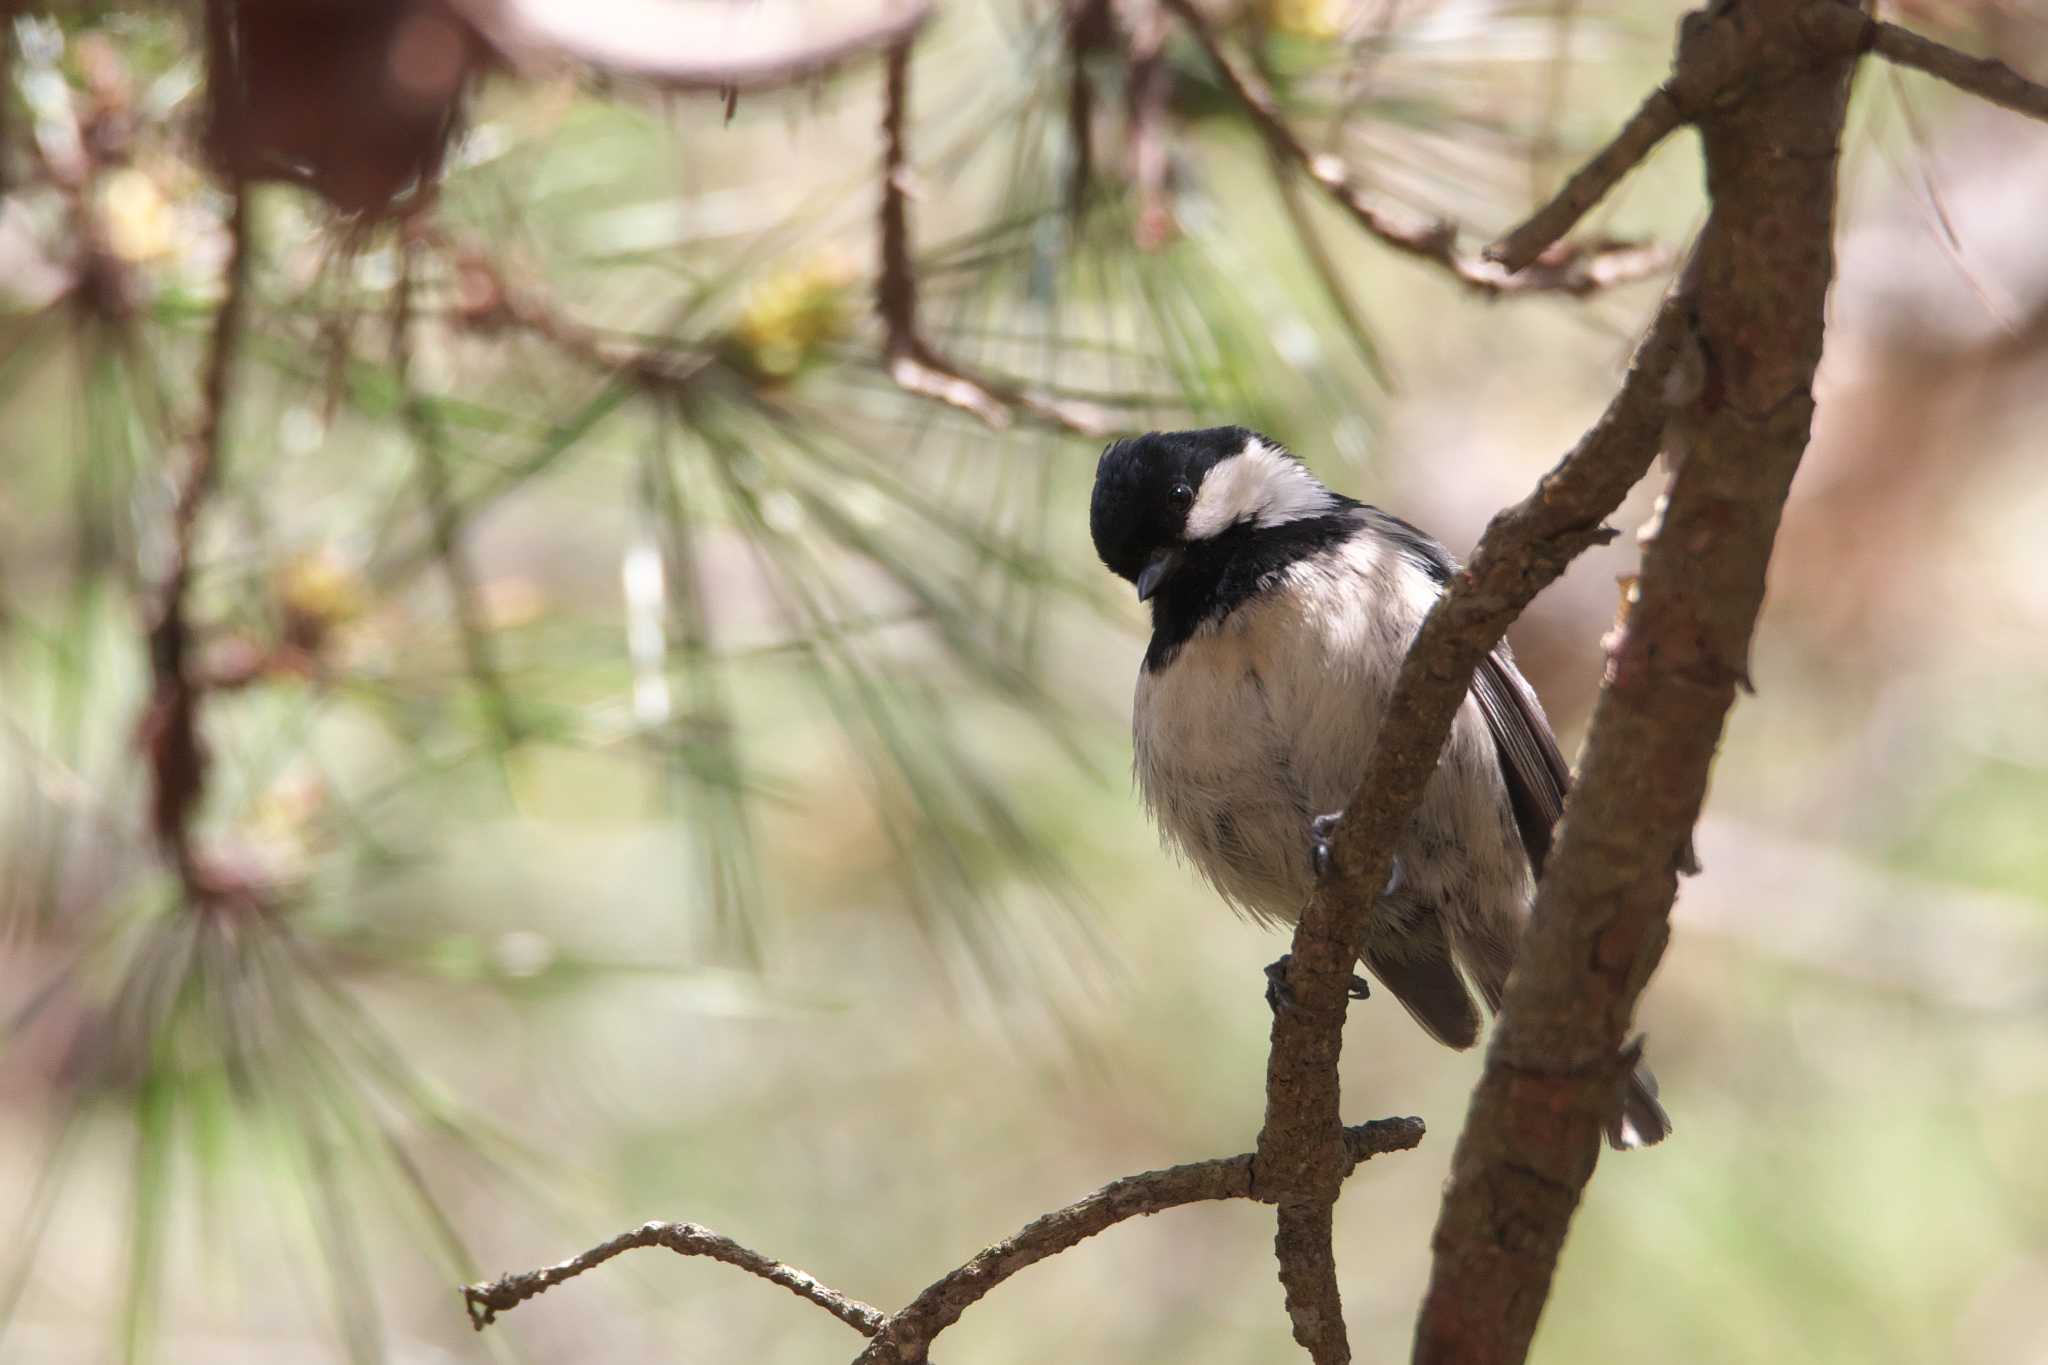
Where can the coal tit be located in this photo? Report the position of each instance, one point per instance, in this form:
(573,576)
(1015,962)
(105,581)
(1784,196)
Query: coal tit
(1280,614)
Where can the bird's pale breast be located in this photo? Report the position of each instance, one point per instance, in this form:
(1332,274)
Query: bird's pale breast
(1264,720)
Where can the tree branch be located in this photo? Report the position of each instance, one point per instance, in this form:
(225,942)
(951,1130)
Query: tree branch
(169,730)
(911,361)
(1657,117)
(1570,269)
(1600,920)
(486,1301)
(1524,549)
(1845,31)
(488,297)
(444,518)
(905,1338)
(1148,87)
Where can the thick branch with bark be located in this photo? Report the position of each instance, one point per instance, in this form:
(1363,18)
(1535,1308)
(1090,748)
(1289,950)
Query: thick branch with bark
(1600,923)
(1525,548)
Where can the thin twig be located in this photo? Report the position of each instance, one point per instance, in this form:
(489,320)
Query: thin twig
(1336,290)
(1657,117)
(170,725)
(444,518)
(908,1334)
(1087,27)
(1843,30)
(1570,269)
(493,298)
(1836,30)
(1148,86)
(486,1301)
(909,359)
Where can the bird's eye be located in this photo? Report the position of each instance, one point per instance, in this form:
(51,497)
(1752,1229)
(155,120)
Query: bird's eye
(1181,495)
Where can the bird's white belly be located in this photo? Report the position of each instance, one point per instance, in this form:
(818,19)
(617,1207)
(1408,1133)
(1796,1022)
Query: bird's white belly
(1257,726)
(1265,720)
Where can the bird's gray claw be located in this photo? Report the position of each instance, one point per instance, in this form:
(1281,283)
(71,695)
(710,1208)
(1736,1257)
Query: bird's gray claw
(1279,995)
(1321,829)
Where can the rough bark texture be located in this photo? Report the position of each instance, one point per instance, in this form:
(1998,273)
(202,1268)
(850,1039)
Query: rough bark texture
(1552,1074)
(1525,548)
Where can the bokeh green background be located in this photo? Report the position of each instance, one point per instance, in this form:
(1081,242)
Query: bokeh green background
(833,922)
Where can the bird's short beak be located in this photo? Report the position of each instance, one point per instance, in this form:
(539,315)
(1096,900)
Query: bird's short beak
(1157,570)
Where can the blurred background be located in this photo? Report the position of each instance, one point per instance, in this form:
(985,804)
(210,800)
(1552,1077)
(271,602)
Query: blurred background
(658,766)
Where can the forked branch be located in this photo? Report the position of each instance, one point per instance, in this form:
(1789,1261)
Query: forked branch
(1556,1062)
(904,1337)
(1848,31)
(1572,269)
(911,360)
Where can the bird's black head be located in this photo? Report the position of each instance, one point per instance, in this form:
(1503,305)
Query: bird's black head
(1145,488)
(1159,495)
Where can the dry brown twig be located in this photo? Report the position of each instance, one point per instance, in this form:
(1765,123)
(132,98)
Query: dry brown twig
(1830,29)
(1849,31)
(911,361)
(169,731)
(1579,268)
(489,296)
(486,1301)
(904,1337)
(444,518)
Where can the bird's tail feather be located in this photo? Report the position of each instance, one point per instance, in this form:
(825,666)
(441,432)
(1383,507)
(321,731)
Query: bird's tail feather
(1642,1121)
(1423,979)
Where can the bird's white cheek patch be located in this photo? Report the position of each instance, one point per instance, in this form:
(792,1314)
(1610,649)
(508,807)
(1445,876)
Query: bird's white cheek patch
(1260,485)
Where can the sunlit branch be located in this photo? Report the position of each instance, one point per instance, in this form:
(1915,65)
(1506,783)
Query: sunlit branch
(1580,268)
(486,1301)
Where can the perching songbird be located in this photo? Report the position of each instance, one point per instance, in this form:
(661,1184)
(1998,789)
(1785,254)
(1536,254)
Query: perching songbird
(1280,614)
